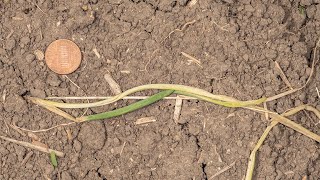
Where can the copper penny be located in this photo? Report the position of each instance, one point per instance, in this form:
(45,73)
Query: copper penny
(63,56)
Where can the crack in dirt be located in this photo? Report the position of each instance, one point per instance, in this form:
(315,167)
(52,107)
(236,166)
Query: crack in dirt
(203,166)
(100,175)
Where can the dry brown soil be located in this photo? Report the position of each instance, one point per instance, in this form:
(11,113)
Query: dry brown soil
(237,43)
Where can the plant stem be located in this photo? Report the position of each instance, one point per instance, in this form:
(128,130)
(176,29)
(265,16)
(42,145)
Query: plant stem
(176,87)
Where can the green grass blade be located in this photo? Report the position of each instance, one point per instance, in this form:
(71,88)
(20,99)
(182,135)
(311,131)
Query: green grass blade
(127,109)
(53,159)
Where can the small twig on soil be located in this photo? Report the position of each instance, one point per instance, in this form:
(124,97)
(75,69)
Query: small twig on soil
(200,157)
(114,86)
(40,8)
(288,173)
(10,34)
(318,92)
(205,119)
(60,112)
(69,134)
(180,30)
(192,3)
(46,177)
(71,81)
(282,75)
(4,95)
(59,175)
(273,123)
(198,62)
(40,33)
(286,81)
(26,158)
(41,130)
(308,116)
(145,120)
(232,115)
(223,170)
(219,157)
(125,72)
(314,61)
(124,98)
(33,136)
(85,62)
(29,28)
(265,106)
(95,51)
(185,25)
(124,144)
(17,18)
(8,129)
(146,66)
(13,126)
(177,109)
(82,91)
(32,146)
(221,27)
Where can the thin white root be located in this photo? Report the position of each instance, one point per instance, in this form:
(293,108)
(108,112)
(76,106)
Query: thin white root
(32,146)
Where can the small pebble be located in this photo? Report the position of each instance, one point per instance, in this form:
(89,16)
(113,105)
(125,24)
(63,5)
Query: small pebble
(311,11)
(249,8)
(39,54)
(305,2)
(29,166)
(15,104)
(270,53)
(65,176)
(53,80)
(300,48)
(245,57)
(25,40)
(84,7)
(30,57)
(77,145)
(38,93)
(116,141)
(2,51)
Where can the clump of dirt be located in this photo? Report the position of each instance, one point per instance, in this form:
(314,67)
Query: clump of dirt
(237,43)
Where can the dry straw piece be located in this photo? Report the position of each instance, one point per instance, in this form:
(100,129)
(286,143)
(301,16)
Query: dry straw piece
(177,110)
(33,146)
(145,120)
(114,86)
(192,3)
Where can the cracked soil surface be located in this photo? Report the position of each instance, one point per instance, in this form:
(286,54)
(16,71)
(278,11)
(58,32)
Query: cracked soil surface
(237,43)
